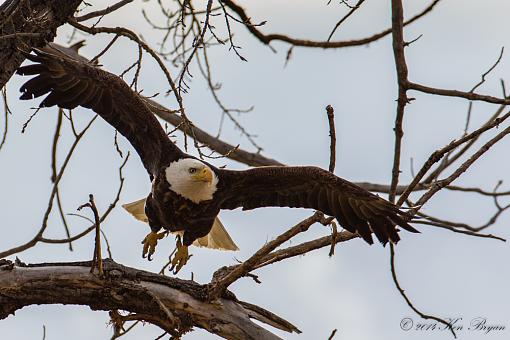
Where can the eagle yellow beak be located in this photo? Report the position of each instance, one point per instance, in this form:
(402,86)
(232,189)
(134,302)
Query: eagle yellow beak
(204,175)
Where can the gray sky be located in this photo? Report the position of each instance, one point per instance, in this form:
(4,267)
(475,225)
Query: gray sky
(445,274)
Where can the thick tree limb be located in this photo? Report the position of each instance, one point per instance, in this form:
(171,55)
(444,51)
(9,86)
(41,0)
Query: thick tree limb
(136,291)
(30,23)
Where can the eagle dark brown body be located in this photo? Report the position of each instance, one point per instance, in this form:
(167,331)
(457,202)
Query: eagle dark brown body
(72,83)
(168,210)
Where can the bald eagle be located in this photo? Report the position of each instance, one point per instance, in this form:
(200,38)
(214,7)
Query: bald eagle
(188,193)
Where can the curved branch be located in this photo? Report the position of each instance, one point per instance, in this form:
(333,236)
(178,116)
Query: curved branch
(267,38)
(136,291)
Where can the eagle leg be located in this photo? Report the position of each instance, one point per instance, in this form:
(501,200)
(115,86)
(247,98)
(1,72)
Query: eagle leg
(150,242)
(181,256)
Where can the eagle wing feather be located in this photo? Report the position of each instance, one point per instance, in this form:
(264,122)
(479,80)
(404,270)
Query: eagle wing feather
(70,83)
(355,208)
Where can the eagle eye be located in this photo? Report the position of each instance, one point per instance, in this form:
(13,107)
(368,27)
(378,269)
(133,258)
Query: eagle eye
(192,170)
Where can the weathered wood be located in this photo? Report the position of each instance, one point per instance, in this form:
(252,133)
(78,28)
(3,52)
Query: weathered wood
(135,291)
(28,23)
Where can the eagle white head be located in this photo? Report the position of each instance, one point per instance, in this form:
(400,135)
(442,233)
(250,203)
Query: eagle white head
(192,179)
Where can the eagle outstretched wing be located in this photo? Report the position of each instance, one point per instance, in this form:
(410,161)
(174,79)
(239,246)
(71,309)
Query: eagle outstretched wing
(71,83)
(355,208)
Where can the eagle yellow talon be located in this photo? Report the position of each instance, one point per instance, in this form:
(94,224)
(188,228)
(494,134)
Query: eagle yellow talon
(181,256)
(150,242)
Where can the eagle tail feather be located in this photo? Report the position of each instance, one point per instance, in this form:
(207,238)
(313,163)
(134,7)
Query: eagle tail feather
(218,237)
(137,210)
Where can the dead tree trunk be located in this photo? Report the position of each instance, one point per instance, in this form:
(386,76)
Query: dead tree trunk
(28,23)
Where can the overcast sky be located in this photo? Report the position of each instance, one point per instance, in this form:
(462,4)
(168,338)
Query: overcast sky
(445,274)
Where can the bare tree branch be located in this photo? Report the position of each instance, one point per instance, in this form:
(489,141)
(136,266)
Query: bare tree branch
(267,38)
(44,224)
(397,18)
(135,291)
(223,278)
(408,301)
(345,17)
(459,94)
(103,12)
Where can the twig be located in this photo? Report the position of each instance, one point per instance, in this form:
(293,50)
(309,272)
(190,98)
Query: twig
(104,50)
(138,64)
(332,161)
(206,73)
(54,175)
(459,94)
(132,36)
(197,44)
(38,237)
(97,259)
(103,217)
(267,38)
(116,144)
(118,325)
(409,303)
(230,34)
(457,225)
(453,157)
(25,125)
(470,106)
(214,143)
(103,12)
(222,281)
(304,248)
(6,117)
(489,70)
(332,134)
(437,155)
(108,249)
(353,9)
(462,168)
(408,43)
(455,230)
